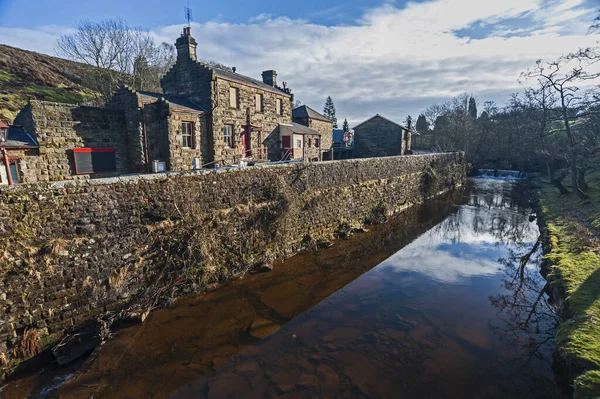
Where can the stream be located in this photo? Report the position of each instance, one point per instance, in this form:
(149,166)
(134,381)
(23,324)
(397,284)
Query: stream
(443,301)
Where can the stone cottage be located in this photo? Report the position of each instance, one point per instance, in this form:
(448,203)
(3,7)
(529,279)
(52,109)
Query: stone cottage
(307,116)
(206,116)
(381,137)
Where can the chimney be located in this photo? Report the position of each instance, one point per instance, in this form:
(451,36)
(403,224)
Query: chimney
(186,45)
(270,78)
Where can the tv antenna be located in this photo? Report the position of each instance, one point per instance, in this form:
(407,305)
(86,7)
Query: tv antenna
(188,14)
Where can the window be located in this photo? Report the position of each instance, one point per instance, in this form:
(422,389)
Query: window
(259,102)
(279,107)
(94,160)
(234,97)
(187,134)
(316,143)
(309,143)
(3,134)
(228,135)
(14,173)
(298,143)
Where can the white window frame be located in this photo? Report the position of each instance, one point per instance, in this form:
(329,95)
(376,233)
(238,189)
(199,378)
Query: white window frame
(185,126)
(279,106)
(228,135)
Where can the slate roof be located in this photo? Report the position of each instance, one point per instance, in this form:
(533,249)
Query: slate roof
(381,117)
(230,75)
(18,137)
(297,129)
(178,103)
(305,111)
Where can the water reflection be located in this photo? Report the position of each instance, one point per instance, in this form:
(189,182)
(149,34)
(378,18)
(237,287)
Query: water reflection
(438,318)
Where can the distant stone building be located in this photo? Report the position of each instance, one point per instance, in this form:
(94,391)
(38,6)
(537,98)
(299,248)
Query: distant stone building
(381,137)
(206,116)
(307,116)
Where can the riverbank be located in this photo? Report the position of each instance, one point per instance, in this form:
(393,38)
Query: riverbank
(572,230)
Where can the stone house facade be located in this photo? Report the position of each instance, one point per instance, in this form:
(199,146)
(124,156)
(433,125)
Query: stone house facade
(307,116)
(381,137)
(245,113)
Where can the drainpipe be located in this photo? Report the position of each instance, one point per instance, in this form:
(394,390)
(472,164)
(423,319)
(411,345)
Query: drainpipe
(7,166)
(148,168)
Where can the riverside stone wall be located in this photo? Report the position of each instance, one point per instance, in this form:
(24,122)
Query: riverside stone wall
(72,251)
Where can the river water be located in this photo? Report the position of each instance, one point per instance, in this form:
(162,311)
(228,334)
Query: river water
(437,303)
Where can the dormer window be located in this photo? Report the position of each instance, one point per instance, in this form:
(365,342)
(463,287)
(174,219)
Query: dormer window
(3,134)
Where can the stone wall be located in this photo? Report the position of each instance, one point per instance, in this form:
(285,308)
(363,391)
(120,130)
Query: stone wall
(378,137)
(128,102)
(72,251)
(59,128)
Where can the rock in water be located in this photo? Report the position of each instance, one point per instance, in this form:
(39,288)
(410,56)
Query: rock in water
(262,327)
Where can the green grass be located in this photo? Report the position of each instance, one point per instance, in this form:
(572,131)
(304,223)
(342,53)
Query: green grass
(6,77)
(57,94)
(574,256)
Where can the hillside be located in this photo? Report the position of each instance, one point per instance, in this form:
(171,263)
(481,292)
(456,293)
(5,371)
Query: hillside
(28,75)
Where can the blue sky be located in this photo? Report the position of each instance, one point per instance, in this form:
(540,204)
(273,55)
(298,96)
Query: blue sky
(153,13)
(389,57)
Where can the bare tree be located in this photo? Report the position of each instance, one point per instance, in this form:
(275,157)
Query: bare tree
(118,53)
(564,76)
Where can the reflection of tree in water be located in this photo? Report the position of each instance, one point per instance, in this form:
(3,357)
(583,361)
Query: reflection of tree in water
(506,224)
(527,320)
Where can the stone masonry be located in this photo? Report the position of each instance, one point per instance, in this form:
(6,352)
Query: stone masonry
(380,137)
(71,251)
(58,129)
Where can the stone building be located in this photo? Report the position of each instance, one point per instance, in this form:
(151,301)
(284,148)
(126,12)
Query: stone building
(245,113)
(206,116)
(381,137)
(299,142)
(307,116)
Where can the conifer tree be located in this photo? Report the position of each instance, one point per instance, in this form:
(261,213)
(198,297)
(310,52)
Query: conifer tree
(472,108)
(346,126)
(422,125)
(329,111)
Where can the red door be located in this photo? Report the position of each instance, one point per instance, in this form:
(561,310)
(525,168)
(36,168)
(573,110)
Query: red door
(246,143)
(285,147)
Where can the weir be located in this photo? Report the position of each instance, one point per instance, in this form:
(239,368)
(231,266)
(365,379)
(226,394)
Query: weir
(107,249)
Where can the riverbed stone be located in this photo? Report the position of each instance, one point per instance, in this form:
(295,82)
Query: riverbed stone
(329,380)
(262,328)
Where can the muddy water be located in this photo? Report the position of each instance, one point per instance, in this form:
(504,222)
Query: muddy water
(434,304)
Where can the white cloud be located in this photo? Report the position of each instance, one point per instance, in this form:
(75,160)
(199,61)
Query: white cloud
(393,61)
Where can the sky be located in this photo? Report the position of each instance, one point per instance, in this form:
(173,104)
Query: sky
(392,58)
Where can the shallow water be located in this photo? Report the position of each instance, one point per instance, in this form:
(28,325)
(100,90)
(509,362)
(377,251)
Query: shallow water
(433,304)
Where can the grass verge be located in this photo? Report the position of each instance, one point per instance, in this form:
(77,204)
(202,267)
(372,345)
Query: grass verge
(574,258)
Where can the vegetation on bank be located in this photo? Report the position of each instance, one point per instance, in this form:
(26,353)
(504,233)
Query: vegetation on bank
(573,227)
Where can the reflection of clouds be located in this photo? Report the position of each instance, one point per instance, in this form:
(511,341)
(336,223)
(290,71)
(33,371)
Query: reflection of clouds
(447,262)
(467,244)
